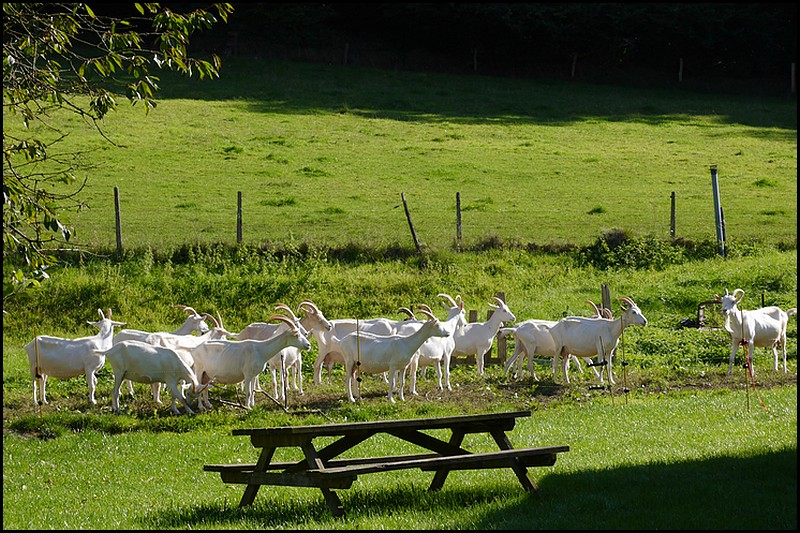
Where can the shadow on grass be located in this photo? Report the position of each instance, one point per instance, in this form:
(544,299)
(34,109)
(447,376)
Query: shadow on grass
(757,492)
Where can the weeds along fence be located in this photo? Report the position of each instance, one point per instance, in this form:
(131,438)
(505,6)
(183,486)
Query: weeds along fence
(718,212)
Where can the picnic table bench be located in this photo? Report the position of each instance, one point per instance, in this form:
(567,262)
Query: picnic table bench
(320,468)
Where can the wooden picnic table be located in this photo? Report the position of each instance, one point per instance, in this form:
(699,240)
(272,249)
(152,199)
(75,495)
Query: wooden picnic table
(320,468)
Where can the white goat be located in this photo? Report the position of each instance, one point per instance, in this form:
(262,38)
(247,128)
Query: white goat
(587,337)
(476,338)
(436,351)
(372,354)
(144,363)
(289,359)
(67,358)
(532,337)
(328,345)
(183,343)
(763,328)
(194,322)
(230,362)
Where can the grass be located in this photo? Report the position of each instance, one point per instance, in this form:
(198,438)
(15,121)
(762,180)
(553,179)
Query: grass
(677,460)
(322,154)
(73,465)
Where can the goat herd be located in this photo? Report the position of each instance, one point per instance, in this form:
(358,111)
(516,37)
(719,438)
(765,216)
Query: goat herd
(182,359)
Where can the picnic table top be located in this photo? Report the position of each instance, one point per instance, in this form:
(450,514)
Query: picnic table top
(471,423)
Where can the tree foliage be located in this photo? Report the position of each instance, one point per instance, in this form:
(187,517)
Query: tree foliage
(68,57)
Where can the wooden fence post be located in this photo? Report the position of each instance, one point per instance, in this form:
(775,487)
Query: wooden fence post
(717,210)
(239,217)
(410,224)
(606,297)
(672,216)
(458,219)
(118,219)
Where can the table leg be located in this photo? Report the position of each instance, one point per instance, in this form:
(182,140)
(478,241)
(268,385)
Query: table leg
(251,490)
(331,498)
(502,441)
(438,480)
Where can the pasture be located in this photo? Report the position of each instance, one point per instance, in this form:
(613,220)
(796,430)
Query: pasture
(322,155)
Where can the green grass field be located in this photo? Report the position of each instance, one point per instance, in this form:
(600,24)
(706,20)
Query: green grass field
(322,155)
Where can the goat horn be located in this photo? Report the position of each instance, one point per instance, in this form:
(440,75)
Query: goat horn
(740,292)
(499,301)
(628,301)
(425,307)
(190,310)
(448,298)
(287,309)
(220,320)
(212,319)
(283,318)
(429,315)
(607,313)
(407,311)
(593,306)
(109,313)
(311,305)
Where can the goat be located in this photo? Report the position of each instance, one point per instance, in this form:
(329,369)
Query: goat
(194,322)
(532,337)
(183,343)
(327,341)
(230,362)
(290,358)
(476,338)
(373,354)
(587,337)
(437,350)
(763,328)
(144,363)
(67,358)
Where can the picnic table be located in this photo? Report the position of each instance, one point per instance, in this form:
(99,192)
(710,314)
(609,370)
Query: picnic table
(320,468)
